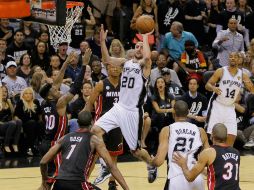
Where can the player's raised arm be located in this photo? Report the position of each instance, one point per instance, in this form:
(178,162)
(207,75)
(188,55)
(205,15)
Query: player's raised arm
(106,59)
(100,147)
(76,87)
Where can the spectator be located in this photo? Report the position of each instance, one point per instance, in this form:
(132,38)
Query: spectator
(194,15)
(40,56)
(17,47)
(88,73)
(197,103)
(4,57)
(116,49)
(29,32)
(36,82)
(243,7)
(175,39)
(73,69)
(168,12)
(9,128)
(43,36)
(97,75)
(62,51)
(162,108)
(78,31)
(79,104)
(14,83)
(105,7)
(156,72)
(6,31)
(24,70)
(213,17)
(230,12)
(54,65)
(171,86)
(228,41)
(193,61)
(28,111)
(249,25)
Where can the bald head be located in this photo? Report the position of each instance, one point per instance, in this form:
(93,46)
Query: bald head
(181,108)
(84,119)
(219,133)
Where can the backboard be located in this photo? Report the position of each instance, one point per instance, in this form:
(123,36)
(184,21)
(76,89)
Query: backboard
(52,12)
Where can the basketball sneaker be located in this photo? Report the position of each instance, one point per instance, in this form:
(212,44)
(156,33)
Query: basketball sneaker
(249,144)
(112,185)
(104,174)
(152,173)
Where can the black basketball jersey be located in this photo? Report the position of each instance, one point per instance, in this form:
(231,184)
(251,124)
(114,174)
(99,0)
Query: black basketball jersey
(223,173)
(55,125)
(78,34)
(108,97)
(77,157)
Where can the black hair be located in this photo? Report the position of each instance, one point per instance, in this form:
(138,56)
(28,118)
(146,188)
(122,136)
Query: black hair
(156,91)
(44,90)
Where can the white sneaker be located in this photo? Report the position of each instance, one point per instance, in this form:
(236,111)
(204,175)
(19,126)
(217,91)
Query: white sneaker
(104,174)
(249,144)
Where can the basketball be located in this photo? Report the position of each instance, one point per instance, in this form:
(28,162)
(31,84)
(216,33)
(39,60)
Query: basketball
(145,24)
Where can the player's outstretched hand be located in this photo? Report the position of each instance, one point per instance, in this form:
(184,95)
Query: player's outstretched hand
(179,159)
(86,57)
(103,34)
(149,33)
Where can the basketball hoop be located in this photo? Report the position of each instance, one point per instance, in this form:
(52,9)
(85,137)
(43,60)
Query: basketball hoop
(60,34)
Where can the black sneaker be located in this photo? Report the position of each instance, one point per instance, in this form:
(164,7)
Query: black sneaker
(112,185)
(152,173)
(104,174)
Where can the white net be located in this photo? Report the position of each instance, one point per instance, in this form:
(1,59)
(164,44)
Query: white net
(60,34)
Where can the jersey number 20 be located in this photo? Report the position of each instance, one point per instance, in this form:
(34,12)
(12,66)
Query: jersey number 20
(128,82)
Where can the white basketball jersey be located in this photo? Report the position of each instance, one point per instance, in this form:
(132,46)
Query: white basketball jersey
(133,86)
(230,86)
(185,139)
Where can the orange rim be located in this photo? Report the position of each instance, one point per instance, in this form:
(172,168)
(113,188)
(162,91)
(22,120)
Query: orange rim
(69,4)
(15,9)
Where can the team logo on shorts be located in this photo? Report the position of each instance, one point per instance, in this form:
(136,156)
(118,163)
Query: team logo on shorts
(107,87)
(238,77)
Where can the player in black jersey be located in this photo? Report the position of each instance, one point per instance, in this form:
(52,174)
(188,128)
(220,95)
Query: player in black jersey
(54,110)
(222,163)
(106,93)
(78,150)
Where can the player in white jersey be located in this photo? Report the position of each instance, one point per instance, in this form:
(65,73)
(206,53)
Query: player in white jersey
(188,140)
(128,112)
(221,108)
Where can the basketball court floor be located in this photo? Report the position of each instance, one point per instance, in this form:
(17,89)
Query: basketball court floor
(135,174)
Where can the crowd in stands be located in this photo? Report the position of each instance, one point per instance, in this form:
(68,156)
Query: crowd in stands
(191,39)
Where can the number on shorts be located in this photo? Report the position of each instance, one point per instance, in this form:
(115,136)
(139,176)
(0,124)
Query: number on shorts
(228,175)
(50,122)
(73,146)
(183,143)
